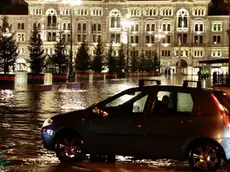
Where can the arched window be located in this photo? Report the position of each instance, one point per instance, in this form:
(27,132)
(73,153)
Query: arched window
(96,11)
(34,25)
(182,18)
(199,11)
(115,19)
(51,18)
(39,26)
(99,27)
(94,27)
(79,26)
(147,27)
(84,26)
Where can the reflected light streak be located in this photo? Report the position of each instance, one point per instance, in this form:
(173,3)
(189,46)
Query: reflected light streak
(72,107)
(71,90)
(6,94)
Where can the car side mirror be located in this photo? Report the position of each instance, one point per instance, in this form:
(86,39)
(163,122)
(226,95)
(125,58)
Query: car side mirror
(99,111)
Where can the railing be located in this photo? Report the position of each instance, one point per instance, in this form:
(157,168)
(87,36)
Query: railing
(51,27)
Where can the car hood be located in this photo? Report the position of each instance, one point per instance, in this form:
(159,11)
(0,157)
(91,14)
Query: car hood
(71,117)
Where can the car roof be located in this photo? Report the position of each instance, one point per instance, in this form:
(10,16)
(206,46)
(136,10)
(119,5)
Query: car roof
(183,87)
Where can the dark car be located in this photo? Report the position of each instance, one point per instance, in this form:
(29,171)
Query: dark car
(158,121)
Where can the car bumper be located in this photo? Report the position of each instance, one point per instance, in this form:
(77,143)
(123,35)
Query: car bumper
(225,143)
(47,135)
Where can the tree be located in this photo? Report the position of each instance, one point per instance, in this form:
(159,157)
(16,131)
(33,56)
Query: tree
(98,60)
(149,63)
(36,56)
(156,62)
(134,61)
(121,64)
(82,59)
(60,59)
(111,61)
(8,46)
(142,67)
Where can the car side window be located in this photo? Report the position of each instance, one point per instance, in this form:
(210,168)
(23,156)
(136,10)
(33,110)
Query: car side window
(122,99)
(173,103)
(184,102)
(139,105)
(163,103)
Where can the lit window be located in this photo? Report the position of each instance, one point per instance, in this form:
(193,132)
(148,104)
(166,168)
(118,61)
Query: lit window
(216,39)
(216,27)
(198,53)
(216,53)
(150,12)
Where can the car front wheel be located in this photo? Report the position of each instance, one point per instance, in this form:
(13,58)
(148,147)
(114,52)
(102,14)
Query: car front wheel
(70,148)
(205,157)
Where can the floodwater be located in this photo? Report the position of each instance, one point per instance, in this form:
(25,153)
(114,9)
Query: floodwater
(22,113)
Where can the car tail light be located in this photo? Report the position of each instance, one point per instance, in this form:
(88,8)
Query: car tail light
(223,112)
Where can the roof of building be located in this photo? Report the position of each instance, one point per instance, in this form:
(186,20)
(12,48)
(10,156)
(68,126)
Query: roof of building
(20,7)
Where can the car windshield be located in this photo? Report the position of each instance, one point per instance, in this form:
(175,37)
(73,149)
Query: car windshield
(224,99)
(123,99)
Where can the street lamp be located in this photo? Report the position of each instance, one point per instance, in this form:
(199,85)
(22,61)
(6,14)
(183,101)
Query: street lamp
(72,3)
(126,23)
(228,31)
(159,35)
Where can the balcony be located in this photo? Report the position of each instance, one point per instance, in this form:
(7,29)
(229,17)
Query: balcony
(51,27)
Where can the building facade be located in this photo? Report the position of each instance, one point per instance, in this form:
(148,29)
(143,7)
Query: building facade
(180,31)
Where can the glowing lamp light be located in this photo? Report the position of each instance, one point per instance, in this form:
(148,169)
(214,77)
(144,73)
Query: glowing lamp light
(165,44)
(127,16)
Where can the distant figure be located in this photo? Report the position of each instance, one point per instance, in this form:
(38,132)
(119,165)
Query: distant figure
(173,70)
(166,70)
(199,75)
(169,71)
(214,75)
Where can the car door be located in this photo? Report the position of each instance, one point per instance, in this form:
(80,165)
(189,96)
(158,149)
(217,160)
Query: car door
(169,126)
(120,131)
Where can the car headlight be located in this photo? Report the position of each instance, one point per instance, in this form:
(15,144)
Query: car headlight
(47,122)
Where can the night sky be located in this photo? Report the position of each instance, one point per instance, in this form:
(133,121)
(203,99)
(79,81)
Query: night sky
(4,2)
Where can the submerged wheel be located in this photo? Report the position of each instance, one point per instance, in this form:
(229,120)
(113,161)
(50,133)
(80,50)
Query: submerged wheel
(70,148)
(205,157)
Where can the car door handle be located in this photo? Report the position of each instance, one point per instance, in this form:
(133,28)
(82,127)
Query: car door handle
(186,121)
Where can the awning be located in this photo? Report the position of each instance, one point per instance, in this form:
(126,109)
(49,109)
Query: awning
(226,60)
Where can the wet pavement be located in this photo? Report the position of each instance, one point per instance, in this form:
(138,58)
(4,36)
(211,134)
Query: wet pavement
(22,113)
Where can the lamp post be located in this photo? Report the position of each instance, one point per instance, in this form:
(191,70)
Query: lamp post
(72,3)
(159,35)
(126,24)
(228,31)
